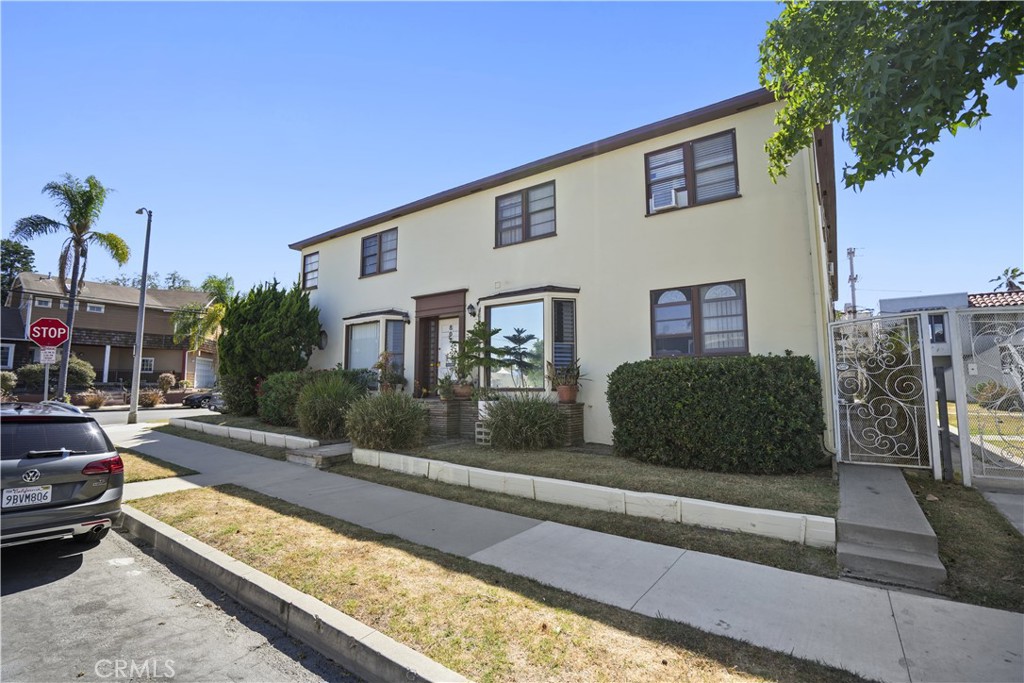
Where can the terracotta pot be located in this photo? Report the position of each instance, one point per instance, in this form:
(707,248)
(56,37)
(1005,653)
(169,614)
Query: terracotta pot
(462,391)
(567,394)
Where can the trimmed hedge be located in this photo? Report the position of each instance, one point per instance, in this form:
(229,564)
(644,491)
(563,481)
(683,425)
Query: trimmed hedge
(755,414)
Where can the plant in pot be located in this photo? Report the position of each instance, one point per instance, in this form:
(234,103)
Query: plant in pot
(475,352)
(565,379)
(388,375)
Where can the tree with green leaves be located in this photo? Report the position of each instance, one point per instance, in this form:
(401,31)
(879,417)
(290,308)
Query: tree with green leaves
(900,73)
(1010,280)
(15,258)
(176,280)
(81,203)
(197,322)
(265,331)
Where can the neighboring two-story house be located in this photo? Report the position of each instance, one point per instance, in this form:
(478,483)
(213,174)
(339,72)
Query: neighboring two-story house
(105,326)
(666,240)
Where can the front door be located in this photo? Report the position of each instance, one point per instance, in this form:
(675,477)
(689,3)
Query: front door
(447,331)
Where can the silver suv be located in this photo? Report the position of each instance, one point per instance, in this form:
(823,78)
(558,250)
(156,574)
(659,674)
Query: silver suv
(61,476)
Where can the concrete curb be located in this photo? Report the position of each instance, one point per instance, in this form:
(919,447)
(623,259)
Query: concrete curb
(364,651)
(239,434)
(812,530)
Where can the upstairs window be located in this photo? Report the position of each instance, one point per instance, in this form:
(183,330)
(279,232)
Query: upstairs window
(380,253)
(525,215)
(311,270)
(696,172)
(704,320)
(42,303)
(95,308)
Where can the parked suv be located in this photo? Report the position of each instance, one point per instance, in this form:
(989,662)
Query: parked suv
(60,473)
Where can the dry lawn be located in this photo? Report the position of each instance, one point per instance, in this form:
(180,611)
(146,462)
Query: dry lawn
(138,467)
(477,620)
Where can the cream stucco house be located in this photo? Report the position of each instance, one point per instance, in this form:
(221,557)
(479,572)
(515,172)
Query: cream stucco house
(669,239)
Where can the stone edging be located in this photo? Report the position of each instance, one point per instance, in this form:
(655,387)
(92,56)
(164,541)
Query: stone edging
(364,651)
(812,530)
(262,438)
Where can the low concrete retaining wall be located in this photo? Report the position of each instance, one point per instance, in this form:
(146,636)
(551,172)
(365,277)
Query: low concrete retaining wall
(362,650)
(255,436)
(812,530)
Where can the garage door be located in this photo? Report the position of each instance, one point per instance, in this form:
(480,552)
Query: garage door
(205,376)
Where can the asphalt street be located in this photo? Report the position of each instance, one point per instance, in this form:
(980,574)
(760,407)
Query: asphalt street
(120,417)
(110,612)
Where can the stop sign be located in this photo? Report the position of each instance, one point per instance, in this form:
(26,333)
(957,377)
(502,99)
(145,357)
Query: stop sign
(48,332)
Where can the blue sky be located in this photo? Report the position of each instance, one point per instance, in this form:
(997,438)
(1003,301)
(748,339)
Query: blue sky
(247,126)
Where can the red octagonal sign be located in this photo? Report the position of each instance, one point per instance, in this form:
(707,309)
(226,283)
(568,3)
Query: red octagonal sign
(48,332)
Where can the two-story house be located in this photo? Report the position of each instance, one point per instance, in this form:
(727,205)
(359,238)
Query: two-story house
(666,240)
(105,327)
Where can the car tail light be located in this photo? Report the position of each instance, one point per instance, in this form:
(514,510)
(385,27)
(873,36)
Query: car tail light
(106,466)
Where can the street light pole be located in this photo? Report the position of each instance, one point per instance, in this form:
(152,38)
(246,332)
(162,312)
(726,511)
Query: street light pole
(133,408)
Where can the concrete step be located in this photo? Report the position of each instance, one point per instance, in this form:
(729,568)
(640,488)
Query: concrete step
(917,570)
(881,532)
(321,456)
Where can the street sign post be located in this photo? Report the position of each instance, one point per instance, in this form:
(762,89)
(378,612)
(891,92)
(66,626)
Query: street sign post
(48,333)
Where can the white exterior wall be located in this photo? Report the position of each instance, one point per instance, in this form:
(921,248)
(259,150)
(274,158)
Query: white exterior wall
(770,237)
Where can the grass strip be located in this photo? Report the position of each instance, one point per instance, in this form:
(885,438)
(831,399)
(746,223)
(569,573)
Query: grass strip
(478,620)
(982,552)
(272,452)
(139,467)
(814,493)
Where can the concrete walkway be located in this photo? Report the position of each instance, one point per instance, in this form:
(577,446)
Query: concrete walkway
(881,634)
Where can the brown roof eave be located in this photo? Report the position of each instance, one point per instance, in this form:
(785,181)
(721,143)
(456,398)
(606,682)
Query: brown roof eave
(734,105)
(825,158)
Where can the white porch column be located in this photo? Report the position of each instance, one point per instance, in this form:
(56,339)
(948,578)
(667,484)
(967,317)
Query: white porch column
(106,362)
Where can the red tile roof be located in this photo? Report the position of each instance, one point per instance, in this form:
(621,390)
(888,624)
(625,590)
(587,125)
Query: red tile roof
(989,299)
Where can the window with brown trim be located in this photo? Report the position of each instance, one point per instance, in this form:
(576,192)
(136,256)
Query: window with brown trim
(702,320)
(525,215)
(696,172)
(310,270)
(380,253)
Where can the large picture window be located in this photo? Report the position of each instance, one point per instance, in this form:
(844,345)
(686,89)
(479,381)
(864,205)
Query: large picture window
(522,338)
(6,356)
(380,253)
(525,215)
(701,320)
(696,172)
(363,344)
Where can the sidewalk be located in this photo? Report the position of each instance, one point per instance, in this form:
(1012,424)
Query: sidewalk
(878,633)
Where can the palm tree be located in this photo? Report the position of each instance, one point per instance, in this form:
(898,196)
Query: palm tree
(81,204)
(197,322)
(1010,280)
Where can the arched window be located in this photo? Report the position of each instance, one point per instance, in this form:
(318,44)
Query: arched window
(699,320)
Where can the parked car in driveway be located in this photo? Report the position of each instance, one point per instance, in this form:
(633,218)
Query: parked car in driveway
(218,403)
(197,400)
(61,476)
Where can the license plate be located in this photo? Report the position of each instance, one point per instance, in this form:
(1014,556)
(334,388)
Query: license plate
(26,495)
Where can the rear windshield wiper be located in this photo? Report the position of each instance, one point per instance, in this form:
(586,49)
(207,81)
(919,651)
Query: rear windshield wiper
(56,453)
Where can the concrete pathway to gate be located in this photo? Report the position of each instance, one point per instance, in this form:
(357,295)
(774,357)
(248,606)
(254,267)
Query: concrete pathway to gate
(881,634)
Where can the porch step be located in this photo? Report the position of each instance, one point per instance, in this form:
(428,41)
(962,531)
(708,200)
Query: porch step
(881,531)
(901,567)
(321,456)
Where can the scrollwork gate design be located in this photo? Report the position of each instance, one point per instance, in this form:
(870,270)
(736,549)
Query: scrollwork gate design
(879,374)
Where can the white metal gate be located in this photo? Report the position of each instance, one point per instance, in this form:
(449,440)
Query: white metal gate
(988,371)
(885,412)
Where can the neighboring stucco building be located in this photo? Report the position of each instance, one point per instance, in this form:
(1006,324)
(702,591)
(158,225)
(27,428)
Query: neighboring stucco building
(105,326)
(666,240)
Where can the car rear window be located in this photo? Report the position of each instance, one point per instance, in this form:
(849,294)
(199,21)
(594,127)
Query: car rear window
(17,438)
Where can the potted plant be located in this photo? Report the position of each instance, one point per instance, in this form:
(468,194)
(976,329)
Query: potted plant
(475,352)
(388,376)
(566,380)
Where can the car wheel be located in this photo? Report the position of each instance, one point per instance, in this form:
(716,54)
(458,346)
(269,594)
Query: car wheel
(205,403)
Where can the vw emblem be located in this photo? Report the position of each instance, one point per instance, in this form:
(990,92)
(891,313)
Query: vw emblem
(31,476)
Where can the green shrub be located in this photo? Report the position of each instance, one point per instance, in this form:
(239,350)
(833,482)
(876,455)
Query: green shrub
(323,403)
(8,380)
(149,398)
(525,422)
(239,394)
(757,414)
(363,377)
(278,396)
(389,421)
(80,374)
(165,381)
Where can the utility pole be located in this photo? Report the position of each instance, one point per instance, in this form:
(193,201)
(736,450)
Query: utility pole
(850,253)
